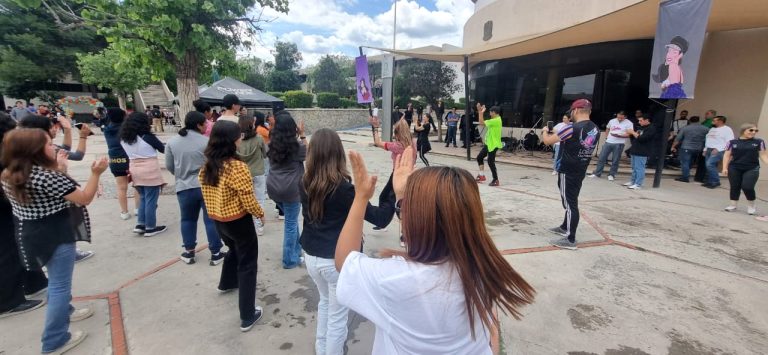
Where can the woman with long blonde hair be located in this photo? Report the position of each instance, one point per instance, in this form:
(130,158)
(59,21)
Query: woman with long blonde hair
(741,163)
(439,296)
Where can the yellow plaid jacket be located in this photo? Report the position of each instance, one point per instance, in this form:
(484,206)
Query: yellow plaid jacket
(233,197)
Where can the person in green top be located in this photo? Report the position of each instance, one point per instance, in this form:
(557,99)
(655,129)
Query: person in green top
(708,117)
(253,152)
(492,143)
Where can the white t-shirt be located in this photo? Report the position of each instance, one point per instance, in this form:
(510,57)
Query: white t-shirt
(558,127)
(234,119)
(618,128)
(718,137)
(417,308)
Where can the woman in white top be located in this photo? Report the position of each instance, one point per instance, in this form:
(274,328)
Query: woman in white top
(142,147)
(439,295)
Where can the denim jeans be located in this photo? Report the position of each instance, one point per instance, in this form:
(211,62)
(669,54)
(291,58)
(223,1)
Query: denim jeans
(556,159)
(331,316)
(291,247)
(260,190)
(60,267)
(450,137)
(148,205)
(190,205)
(686,155)
(713,178)
(638,169)
(615,150)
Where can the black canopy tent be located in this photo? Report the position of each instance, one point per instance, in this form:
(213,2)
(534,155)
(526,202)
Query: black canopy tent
(250,97)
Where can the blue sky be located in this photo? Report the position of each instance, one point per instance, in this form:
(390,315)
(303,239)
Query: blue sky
(322,27)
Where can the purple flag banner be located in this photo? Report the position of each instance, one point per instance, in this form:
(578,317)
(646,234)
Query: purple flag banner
(362,81)
(680,33)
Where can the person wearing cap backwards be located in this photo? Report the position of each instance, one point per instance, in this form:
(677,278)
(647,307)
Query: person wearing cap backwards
(577,143)
(232,105)
(670,73)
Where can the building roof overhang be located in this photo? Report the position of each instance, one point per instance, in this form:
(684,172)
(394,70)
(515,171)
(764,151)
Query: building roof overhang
(726,15)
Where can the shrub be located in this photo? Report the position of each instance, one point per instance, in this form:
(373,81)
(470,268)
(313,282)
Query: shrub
(276,94)
(328,100)
(297,99)
(345,102)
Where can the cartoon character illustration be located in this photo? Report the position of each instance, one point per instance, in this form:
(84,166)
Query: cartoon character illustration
(364,93)
(670,73)
(591,139)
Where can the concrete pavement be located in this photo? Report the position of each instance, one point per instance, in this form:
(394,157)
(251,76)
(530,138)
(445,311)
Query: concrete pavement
(660,271)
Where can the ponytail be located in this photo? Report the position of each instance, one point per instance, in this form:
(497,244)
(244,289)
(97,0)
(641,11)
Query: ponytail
(192,121)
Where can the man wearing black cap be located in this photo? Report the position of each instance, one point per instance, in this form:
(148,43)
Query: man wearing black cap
(577,143)
(232,106)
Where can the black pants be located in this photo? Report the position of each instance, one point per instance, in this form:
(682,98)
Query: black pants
(743,180)
(491,160)
(239,269)
(382,215)
(701,168)
(15,281)
(422,154)
(570,187)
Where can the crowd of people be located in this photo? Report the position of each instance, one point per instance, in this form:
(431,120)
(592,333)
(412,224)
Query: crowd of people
(448,270)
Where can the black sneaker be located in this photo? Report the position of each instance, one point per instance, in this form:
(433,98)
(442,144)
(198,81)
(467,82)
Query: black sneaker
(713,186)
(188,257)
(155,231)
(379,229)
(36,293)
(24,307)
(217,258)
(559,231)
(246,325)
(139,229)
(564,243)
(81,255)
(682,180)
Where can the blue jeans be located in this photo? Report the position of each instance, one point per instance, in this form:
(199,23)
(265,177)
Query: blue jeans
(450,137)
(190,205)
(291,247)
(60,267)
(609,148)
(713,178)
(331,316)
(148,205)
(686,155)
(260,191)
(556,159)
(638,169)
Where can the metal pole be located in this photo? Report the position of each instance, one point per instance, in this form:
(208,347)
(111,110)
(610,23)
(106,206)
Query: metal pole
(666,126)
(467,106)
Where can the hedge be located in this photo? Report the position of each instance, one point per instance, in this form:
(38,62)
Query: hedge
(346,103)
(328,100)
(276,94)
(297,99)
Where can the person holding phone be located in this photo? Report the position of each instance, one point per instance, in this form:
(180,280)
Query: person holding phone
(50,208)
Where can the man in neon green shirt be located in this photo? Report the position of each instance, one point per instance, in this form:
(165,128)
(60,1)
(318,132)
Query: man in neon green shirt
(492,143)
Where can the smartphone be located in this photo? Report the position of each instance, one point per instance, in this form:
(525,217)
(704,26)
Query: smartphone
(79,125)
(550,125)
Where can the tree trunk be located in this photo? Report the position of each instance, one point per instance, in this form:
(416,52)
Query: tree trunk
(439,128)
(186,81)
(121,101)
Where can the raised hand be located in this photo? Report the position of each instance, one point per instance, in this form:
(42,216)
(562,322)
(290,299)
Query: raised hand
(403,169)
(374,121)
(301,128)
(99,166)
(365,185)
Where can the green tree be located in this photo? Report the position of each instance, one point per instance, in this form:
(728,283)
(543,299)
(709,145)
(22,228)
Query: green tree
(284,77)
(414,73)
(328,76)
(257,72)
(106,70)
(170,35)
(33,52)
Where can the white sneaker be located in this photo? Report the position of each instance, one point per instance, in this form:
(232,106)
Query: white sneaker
(593,176)
(76,338)
(80,314)
(125,216)
(611,178)
(260,231)
(554,172)
(135,211)
(627,184)
(634,187)
(751,210)
(730,208)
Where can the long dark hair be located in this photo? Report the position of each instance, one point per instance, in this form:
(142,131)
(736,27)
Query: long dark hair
(24,148)
(115,115)
(326,170)
(201,106)
(259,118)
(221,147)
(6,124)
(283,144)
(442,219)
(192,122)
(136,125)
(247,127)
(36,121)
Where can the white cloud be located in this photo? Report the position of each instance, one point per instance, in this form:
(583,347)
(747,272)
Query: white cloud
(327,26)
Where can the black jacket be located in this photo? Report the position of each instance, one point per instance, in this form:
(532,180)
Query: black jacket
(643,145)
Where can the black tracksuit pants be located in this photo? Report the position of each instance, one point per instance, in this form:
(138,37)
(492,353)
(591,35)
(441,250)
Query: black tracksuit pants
(570,187)
(743,180)
(239,269)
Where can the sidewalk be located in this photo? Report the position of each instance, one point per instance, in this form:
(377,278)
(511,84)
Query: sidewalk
(659,271)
